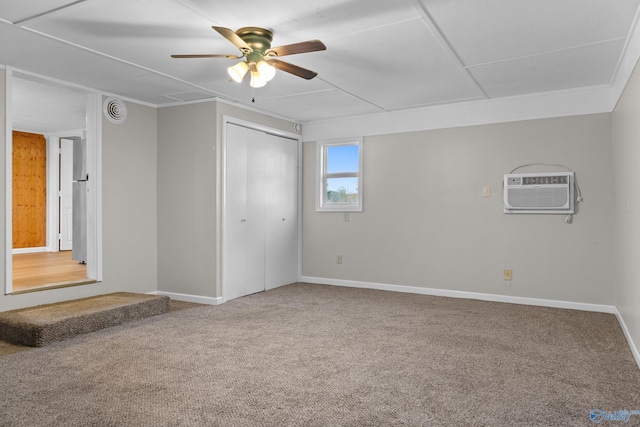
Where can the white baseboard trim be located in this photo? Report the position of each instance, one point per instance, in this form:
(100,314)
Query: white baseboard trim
(462,294)
(632,345)
(191,298)
(29,250)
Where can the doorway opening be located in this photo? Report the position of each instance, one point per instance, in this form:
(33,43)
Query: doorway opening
(54,232)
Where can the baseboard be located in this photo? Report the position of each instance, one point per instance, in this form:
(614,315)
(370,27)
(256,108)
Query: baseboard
(20,251)
(462,294)
(632,345)
(191,298)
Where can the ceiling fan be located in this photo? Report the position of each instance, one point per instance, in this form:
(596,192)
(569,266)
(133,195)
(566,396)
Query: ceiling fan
(261,59)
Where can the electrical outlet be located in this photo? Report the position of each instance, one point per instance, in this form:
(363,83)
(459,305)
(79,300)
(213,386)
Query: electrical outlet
(338,259)
(345,217)
(508,275)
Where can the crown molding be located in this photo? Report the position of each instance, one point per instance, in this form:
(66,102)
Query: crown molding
(591,100)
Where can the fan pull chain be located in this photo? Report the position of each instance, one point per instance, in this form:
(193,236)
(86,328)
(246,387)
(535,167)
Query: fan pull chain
(253,94)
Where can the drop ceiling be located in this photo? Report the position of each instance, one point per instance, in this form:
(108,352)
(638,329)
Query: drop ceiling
(382,55)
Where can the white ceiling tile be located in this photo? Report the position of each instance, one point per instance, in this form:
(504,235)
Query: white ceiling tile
(144,31)
(294,20)
(50,58)
(388,71)
(137,87)
(491,30)
(192,95)
(585,66)
(316,105)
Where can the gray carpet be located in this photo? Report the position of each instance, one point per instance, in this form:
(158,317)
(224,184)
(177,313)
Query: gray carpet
(41,325)
(310,355)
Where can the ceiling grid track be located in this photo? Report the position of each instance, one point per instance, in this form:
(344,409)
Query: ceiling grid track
(442,41)
(353,94)
(534,55)
(49,12)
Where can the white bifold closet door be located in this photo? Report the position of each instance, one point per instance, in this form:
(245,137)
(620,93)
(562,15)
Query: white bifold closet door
(260,236)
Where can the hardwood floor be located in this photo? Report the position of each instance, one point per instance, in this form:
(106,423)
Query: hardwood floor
(46,270)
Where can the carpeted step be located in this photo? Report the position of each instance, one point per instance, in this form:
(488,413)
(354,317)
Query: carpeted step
(45,324)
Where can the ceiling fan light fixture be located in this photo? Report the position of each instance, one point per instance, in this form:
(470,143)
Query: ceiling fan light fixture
(267,71)
(256,79)
(258,57)
(238,71)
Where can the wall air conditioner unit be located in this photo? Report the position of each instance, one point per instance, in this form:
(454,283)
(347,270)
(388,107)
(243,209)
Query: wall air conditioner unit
(548,193)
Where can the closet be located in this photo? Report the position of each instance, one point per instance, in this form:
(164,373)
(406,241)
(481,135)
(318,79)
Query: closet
(260,214)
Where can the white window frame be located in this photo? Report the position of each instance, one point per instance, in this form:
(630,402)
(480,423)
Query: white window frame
(322,205)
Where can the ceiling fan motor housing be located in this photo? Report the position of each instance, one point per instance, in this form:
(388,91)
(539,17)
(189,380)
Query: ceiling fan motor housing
(258,39)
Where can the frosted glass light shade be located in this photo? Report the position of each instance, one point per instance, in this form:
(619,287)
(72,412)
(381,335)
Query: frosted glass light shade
(257,80)
(238,71)
(267,72)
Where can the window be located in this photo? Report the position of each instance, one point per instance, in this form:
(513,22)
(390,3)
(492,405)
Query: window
(339,175)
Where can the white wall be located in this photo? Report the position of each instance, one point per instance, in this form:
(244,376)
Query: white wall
(426,225)
(128,208)
(626,158)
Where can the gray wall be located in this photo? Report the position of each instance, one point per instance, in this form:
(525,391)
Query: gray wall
(129,210)
(188,137)
(626,157)
(187,199)
(129,201)
(426,224)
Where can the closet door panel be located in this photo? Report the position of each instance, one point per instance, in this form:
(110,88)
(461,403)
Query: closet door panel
(282,207)
(234,256)
(256,210)
(260,237)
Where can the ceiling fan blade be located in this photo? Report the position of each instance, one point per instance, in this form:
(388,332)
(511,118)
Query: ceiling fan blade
(292,49)
(292,69)
(208,55)
(234,38)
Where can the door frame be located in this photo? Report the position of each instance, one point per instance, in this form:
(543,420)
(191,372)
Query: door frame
(221,148)
(53,182)
(94,166)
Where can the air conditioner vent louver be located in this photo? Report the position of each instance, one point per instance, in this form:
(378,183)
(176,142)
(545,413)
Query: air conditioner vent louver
(115,110)
(542,198)
(539,193)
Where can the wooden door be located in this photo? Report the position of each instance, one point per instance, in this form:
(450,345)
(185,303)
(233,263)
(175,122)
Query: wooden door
(29,163)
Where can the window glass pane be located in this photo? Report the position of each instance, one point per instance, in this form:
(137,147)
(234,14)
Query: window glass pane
(342,158)
(342,190)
